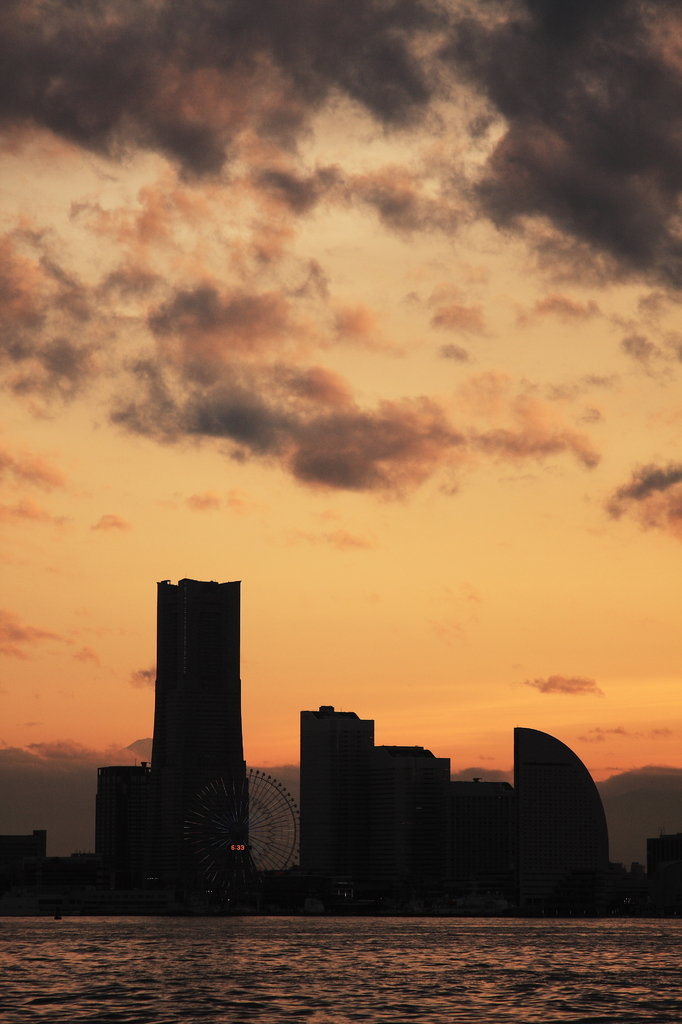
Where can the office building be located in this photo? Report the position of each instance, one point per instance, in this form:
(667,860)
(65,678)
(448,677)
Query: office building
(334,802)
(121,822)
(563,850)
(197,720)
(481,838)
(407,821)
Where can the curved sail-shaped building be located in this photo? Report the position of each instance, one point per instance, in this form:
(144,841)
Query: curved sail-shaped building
(563,845)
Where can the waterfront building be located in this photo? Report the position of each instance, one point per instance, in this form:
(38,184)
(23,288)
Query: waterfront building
(481,838)
(121,822)
(334,802)
(664,871)
(563,851)
(407,788)
(197,719)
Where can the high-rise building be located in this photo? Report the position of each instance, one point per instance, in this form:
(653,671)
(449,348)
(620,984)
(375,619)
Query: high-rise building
(481,837)
(197,720)
(335,806)
(121,822)
(563,847)
(407,820)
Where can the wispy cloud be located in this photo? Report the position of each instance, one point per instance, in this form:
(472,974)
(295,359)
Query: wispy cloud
(111,522)
(16,636)
(599,735)
(571,685)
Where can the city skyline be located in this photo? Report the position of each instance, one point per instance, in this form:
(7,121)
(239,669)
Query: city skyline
(367,328)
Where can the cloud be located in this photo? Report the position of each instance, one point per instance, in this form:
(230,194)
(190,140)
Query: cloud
(573,685)
(41,305)
(485,774)
(16,635)
(454,317)
(536,434)
(27,509)
(589,96)
(208,323)
(563,307)
(27,468)
(52,785)
(599,735)
(342,540)
(187,80)
(638,802)
(111,522)
(143,677)
(454,352)
(654,496)
(86,654)
(209,501)
(642,350)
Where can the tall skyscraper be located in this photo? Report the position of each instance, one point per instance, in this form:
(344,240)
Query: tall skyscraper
(407,821)
(563,845)
(481,837)
(335,752)
(121,822)
(197,720)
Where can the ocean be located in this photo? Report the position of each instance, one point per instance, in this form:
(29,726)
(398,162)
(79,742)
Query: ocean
(333,970)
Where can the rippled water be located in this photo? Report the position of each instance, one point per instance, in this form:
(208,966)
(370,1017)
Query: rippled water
(324,970)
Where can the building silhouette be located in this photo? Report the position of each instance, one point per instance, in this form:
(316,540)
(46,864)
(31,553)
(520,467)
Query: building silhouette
(664,870)
(407,788)
(335,804)
(563,850)
(197,719)
(121,812)
(481,838)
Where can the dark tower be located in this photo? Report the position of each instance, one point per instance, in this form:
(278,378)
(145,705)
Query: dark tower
(197,720)
(563,843)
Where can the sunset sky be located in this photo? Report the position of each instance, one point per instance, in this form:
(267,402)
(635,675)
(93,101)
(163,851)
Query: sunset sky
(374,306)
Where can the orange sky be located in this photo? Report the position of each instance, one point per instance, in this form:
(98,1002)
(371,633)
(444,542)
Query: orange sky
(405,360)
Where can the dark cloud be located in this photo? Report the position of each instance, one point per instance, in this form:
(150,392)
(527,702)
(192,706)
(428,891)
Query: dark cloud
(654,496)
(299,193)
(646,481)
(642,350)
(303,418)
(185,79)
(241,320)
(53,786)
(143,677)
(638,804)
(573,685)
(591,95)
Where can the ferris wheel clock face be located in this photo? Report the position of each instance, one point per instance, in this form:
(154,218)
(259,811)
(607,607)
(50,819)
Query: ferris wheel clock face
(229,826)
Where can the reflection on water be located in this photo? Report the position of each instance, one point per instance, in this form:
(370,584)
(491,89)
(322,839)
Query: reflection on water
(333,970)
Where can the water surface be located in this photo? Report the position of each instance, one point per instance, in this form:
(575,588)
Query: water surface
(337,970)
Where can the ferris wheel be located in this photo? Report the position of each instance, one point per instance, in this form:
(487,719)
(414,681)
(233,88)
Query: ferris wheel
(234,829)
